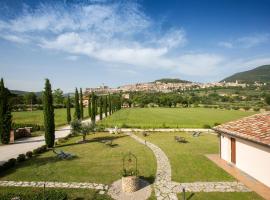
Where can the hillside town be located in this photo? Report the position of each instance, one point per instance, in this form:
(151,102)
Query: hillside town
(158,86)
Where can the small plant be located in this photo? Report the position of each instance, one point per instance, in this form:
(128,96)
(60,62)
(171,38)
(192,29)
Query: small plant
(206,126)
(9,164)
(256,109)
(21,158)
(246,108)
(129,172)
(216,124)
(29,154)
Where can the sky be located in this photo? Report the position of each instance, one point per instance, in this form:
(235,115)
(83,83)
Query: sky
(87,43)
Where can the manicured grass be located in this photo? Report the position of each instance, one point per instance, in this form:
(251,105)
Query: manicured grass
(171,117)
(73,194)
(96,162)
(36,117)
(221,196)
(187,159)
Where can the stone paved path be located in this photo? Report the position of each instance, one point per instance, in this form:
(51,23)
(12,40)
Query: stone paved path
(162,185)
(211,187)
(96,186)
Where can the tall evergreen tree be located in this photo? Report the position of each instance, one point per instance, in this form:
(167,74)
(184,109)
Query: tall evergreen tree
(5,114)
(81,103)
(77,113)
(48,112)
(68,110)
(100,108)
(93,113)
(89,106)
(110,105)
(106,106)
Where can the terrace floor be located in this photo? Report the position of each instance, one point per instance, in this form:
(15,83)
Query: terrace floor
(252,184)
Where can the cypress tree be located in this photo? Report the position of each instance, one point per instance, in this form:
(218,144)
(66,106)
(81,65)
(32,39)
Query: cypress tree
(110,105)
(106,106)
(77,113)
(5,114)
(100,108)
(89,106)
(48,112)
(81,103)
(93,113)
(68,110)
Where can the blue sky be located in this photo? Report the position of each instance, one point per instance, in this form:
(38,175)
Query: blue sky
(88,43)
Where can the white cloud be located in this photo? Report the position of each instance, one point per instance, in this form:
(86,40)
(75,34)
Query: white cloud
(72,58)
(225,44)
(246,41)
(251,41)
(14,38)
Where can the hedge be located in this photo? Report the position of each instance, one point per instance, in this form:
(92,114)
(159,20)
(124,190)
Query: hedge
(49,195)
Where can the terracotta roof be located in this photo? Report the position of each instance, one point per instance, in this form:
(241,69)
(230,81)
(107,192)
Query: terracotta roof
(255,128)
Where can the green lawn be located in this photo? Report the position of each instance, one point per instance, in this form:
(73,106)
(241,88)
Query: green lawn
(221,196)
(96,162)
(73,194)
(171,117)
(187,159)
(36,117)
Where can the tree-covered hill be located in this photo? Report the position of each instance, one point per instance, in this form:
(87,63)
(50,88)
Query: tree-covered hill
(171,80)
(259,74)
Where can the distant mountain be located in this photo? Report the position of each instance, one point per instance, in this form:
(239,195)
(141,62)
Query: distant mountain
(259,74)
(20,92)
(171,80)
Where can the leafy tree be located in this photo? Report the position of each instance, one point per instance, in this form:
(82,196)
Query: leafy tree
(58,96)
(94,109)
(5,114)
(110,104)
(48,111)
(89,106)
(106,106)
(100,108)
(68,110)
(81,103)
(77,113)
(30,98)
(267,99)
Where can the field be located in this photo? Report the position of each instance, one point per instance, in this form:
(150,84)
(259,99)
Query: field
(189,164)
(95,162)
(172,117)
(36,117)
(187,159)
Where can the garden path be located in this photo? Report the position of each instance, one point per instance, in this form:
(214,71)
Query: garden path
(21,146)
(165,189)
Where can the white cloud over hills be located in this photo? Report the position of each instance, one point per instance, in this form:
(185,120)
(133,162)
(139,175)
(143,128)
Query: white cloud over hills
(118,33)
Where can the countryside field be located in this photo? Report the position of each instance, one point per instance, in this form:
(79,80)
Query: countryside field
(188,160)
(172,117)
(95,162)
(36,117)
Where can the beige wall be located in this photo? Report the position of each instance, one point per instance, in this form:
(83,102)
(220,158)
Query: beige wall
(225,148)
(251,158)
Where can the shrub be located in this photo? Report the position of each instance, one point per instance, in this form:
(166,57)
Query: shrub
(29,154)
(40,150)
(246,108)
(256,109)
(206,126)
(124,125)
(9,164)
(235,108)
(216,124)
(21,158)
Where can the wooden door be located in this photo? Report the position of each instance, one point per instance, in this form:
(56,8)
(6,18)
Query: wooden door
(233,151)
